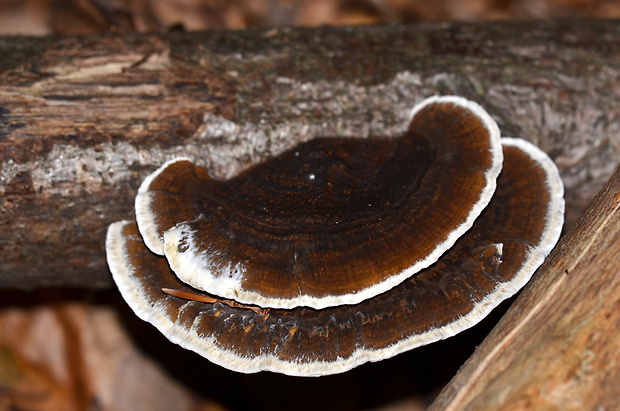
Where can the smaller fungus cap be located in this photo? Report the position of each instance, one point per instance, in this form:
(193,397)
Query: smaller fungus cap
(490,263)
(331,221)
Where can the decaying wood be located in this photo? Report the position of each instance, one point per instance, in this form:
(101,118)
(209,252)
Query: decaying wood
(84,120)
(557,347)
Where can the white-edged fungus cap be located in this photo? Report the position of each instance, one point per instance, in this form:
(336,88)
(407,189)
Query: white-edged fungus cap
(488,264)
(332,221)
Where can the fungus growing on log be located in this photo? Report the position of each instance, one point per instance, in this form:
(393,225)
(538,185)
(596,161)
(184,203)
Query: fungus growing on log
(340,251)
(331,221)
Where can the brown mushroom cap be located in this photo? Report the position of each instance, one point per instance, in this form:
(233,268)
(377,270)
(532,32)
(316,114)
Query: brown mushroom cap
(488,264)
(332,221)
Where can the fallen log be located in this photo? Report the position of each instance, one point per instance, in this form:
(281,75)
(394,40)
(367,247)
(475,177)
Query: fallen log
(83,120)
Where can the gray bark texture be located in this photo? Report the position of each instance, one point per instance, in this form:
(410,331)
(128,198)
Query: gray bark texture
(84,120)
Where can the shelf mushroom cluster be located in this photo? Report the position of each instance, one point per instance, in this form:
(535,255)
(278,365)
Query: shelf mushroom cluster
(340,251)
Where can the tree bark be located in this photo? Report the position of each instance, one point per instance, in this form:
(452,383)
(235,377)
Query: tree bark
(557,346)
(84,120)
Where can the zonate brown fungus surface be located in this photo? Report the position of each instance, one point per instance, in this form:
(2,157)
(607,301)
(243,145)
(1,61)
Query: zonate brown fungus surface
(332,221)
(492,261)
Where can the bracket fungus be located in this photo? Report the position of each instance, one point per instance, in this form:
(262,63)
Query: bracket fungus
(340,251)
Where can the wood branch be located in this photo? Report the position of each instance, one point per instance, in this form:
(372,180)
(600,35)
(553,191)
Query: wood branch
(556,348)
(84,120)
